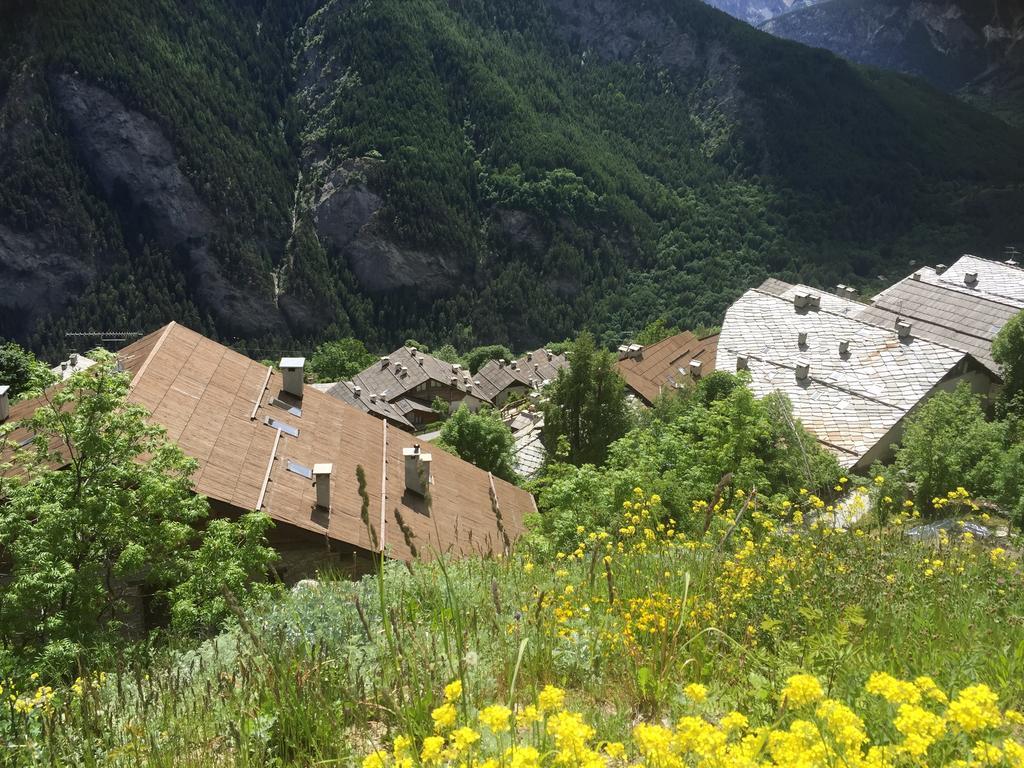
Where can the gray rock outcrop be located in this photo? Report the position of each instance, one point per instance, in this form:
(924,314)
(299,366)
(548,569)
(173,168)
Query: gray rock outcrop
(137,171)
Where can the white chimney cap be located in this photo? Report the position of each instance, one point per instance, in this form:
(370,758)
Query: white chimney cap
(323,469)
(4,389)
(293,362)
(803,369)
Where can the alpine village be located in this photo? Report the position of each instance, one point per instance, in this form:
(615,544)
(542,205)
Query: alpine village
(512,383)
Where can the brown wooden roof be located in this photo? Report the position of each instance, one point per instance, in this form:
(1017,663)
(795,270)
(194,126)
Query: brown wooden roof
(659,364)
(213,402)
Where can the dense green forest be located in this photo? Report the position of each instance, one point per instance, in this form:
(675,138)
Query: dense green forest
(460,170)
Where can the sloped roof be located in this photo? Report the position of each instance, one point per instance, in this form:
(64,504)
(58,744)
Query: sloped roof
(659,365)
(531,371)
(849,402)
(379,407)
(403,370)
(214,403)
(944,309)
(996,280)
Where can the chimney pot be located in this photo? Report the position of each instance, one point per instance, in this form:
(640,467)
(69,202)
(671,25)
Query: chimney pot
(801,339)
(292,374)
(529,355)
(916,276)
(501,363)
(741,363)
(971,278)
(373,398)
(801,300)
(803,369)
(940,268)
(844,348)
(903,329)
(623,352)
(417,470)
(695,368)
(453,380)
(385,362)
(357,391)
(322,483)
(5,402)
(73,359)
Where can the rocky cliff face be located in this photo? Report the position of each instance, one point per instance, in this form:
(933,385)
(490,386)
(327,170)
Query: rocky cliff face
(971,47)
(759,11)
(136,168)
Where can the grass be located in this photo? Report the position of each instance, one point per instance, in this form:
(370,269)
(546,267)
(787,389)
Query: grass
(640,627)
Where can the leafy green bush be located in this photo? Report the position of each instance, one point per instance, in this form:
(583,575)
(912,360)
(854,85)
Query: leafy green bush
(339,360)
(480,438)
(91,547)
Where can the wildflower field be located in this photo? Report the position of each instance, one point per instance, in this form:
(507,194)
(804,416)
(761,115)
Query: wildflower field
(766,639)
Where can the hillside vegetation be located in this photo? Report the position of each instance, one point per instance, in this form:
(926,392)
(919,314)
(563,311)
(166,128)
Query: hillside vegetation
(767,640)
(467,171)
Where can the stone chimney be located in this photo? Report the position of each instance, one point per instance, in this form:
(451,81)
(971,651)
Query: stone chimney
(803,370)
(844,348)
(417,470)
(971,278)
(293,370)
(322,483)
(903,329)
(741,363)
(695,368)
(801,339)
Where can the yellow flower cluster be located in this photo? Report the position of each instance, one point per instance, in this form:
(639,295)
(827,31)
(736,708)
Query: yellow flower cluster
(810,731)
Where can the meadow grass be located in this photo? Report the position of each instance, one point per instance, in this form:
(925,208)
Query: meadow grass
(654,647)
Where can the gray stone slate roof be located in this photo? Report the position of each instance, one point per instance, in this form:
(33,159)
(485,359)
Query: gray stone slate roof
(403,370)
(533,370)
(950,317)
(382,409)
(848,401)
(996,280)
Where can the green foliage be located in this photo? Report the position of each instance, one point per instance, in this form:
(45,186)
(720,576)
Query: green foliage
(949,442)
(655,332)
(477,357)
(586,404)
(339,360)
(441,407)
(692,441)
(480,438)
(88,545)
(22,372)
(573,192)
(1008,351)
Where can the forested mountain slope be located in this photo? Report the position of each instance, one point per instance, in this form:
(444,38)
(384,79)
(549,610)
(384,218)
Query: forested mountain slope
(470,169)
(974,48)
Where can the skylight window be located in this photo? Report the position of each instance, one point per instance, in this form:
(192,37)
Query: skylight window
(285,407)
(288,429)
(300,469)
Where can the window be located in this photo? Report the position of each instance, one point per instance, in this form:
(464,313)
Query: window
(288,429)
(300,469)
(285,407)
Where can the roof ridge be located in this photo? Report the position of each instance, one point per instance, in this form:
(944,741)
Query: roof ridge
(868,324)
(164,333)
(990,261)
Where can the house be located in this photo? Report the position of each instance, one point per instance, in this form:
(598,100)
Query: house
(851,383)
(412,380)
(353,395)
(963,307)
(339,483)
(502,380)
(72,365)
(668,364)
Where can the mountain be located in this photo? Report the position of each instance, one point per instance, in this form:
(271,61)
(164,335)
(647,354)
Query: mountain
(759,11)
(974,48)
(273,173)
